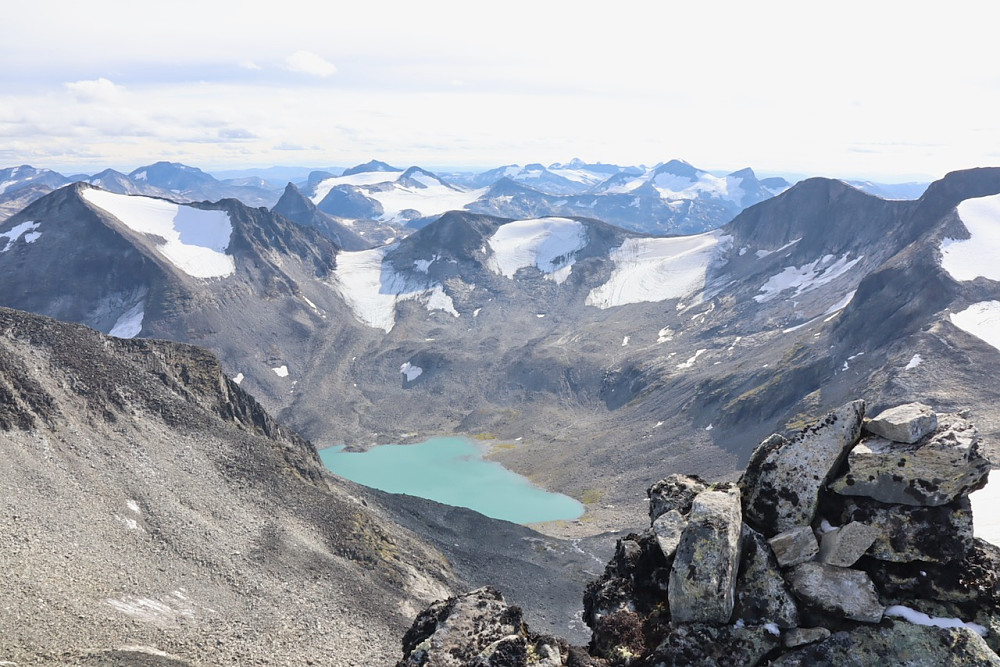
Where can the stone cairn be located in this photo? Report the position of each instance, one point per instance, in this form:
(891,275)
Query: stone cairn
(849,544)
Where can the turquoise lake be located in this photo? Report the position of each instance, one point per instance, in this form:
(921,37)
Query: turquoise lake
(452,471)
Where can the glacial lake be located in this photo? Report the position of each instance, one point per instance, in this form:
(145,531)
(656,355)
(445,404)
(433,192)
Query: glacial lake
(452,471)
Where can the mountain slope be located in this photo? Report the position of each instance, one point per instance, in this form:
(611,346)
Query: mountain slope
(300,210)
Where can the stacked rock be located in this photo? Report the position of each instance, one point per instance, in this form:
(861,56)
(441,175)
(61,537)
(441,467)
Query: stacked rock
(850,543)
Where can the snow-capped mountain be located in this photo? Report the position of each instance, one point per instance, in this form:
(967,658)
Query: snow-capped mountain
(185,183)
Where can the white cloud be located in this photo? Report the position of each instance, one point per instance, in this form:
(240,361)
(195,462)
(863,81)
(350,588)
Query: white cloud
(100,90)
(310,63)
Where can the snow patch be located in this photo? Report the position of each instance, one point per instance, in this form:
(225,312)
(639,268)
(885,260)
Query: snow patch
(281,371)
(129,324)
(690,362)
(410,372)
(550,244)
(982,320)
(773,629)
(624,341)
(665,335)
(239,378)
(971,258)
(920,618)
(27,227)
(986,513)
(915,361)
(656,269)
(806,277)
(193,240)
(133,505)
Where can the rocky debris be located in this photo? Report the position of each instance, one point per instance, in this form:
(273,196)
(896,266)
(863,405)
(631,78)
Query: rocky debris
(794,546)
(703,576)
(837,590)
(845,545)
(782,491)
(904,423)
(675,492)
(945,462)
(705,586)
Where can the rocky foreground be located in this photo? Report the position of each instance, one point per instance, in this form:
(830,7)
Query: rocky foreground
(848,544)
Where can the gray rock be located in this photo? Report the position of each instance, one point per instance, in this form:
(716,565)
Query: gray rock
(895,644)
(837,590)
(703,576)
(904,423)
(700,645)
(935,471)
(782,482)
(794,546)
(905,533)
(668,529)
(761,594)
(675,492)
(803,636)
(845,545)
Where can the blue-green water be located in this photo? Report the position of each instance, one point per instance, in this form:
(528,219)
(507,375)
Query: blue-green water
(452,471)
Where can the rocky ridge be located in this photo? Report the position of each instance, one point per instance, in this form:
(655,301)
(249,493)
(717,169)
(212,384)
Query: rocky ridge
(811,558)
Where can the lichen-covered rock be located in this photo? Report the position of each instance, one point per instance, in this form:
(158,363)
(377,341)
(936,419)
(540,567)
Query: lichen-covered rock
(701,645)
(675,492)
(783,478)
(935,471)
(836,590)
(895,643)
(703,576)
(803,636)
(668,528)
(635,580)
(904,423)
(795,545)
(845,545)
(761,594)
(906,533)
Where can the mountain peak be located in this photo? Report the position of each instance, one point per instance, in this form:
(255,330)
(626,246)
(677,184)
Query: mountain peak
(371,165)
(679,168)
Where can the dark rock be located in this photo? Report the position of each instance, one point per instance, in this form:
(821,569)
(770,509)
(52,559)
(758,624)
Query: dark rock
(675,492)
(710,646)
(835,590)
(803,636)
(761,593)
(783,479)
(794,546)
(906,533)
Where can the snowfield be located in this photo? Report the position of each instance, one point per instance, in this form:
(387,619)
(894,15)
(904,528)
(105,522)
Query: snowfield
(550,244)
(364,178)
(130,323)
(982,320)
(806,277)
(26,229)
(656,269)
(372,288)
(968,259)
(434,199)
(193,240)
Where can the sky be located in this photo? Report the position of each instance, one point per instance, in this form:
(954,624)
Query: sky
(891,91)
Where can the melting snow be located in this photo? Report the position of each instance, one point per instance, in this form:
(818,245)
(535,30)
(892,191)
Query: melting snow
(914,362)
(130,323)
(806,277)
(550,244)
(14,234)
(982,320)
(970,258)
(410,371)
(761,254)
(690,362)
(281,371)
(624,341)
(193,240)
(372,288)
(134,506)
(656,269)
(666,334)
(920,618)
(239,378)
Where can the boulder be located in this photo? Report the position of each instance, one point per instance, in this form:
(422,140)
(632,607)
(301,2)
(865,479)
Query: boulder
(904,423)
(836,590)
(701,645)
(675,492)
(783,478)
(905,533)
(974,580)
(803,636)
(935,471)
(894,643)
(761,594)
(703,576)
(668,528)
(794,546)
(845,545)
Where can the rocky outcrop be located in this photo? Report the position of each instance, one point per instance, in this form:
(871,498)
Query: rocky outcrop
(803,576)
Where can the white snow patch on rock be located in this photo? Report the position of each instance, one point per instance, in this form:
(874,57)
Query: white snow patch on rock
(656,269)
(915,361)
(624,341)
(982,320)
(986,513)
(281,371)
(129,324)
(133,505)
(690,362)
(968,259)
(27,227)
(665,335)
(806,277)
(410,372)
(550,244)
(239,378)
(193,240)
(920,618)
